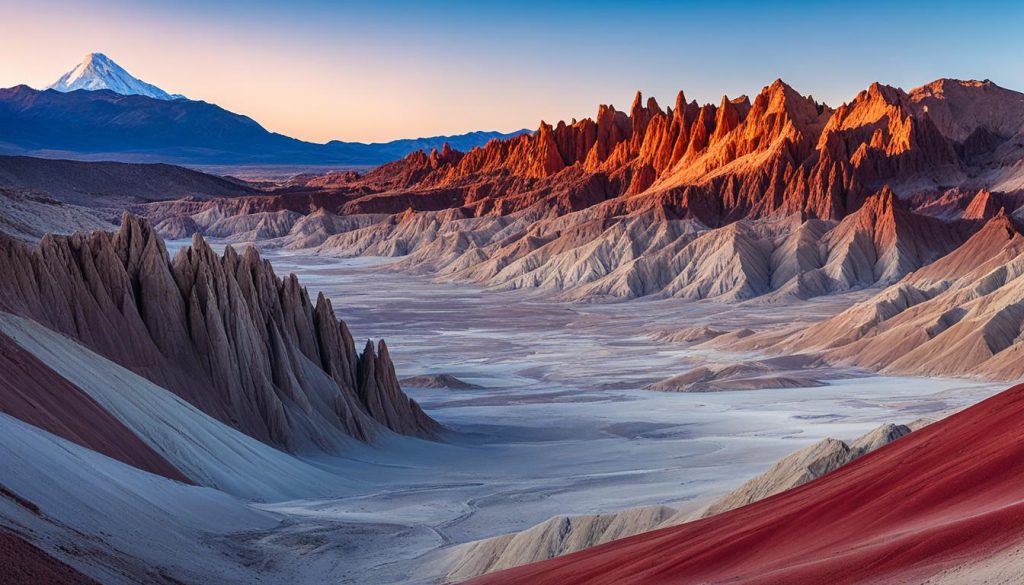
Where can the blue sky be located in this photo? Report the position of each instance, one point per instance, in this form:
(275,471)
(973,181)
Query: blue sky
(381,70)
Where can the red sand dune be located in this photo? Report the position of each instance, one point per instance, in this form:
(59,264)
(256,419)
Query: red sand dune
(20,562)
(32,392)
(947,494)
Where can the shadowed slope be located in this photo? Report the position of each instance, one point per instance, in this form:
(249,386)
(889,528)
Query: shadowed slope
(21,562)
(207,451)
(31,391)
(224,333)
(97,184)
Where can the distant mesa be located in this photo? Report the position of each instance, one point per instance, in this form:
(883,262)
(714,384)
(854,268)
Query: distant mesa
(694,334)
(439,381)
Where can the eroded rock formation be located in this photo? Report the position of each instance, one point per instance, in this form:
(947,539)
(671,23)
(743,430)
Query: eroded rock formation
(775,196)
(780,152)
(223,332)
(959,315)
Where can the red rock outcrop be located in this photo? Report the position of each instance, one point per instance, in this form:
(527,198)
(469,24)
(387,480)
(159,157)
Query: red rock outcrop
(982,206)
(223,332)
(960,108)
(742,159)
(780,152)
(878,138)
(904,513)
(884,240)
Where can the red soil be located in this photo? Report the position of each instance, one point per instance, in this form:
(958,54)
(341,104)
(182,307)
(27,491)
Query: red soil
(21,562)
(947,494)
(32,392)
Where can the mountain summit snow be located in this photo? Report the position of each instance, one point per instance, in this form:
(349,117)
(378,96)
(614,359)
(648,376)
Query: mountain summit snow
(97,71)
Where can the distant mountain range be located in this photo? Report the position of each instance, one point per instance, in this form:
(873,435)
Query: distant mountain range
(774,196)
(98,111)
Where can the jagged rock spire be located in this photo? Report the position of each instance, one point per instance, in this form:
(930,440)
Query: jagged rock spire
(223,332)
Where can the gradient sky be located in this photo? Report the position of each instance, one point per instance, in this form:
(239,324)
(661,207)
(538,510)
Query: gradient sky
(373,71)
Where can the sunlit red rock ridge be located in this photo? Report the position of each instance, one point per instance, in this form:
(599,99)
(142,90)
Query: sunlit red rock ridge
(774,197)
(780,151)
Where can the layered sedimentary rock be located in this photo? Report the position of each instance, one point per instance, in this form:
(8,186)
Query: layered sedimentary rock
(917,508)
(957,316)
(567,534)
(32,392)
(773,196)
(223,332)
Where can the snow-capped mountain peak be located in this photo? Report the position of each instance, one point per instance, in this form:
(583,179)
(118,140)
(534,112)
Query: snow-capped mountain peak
(97,71)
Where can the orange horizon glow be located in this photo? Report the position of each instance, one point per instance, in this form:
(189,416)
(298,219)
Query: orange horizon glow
(320,72)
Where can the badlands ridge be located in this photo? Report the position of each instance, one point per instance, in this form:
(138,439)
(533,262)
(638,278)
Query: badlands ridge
(769,200)
(209,370)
